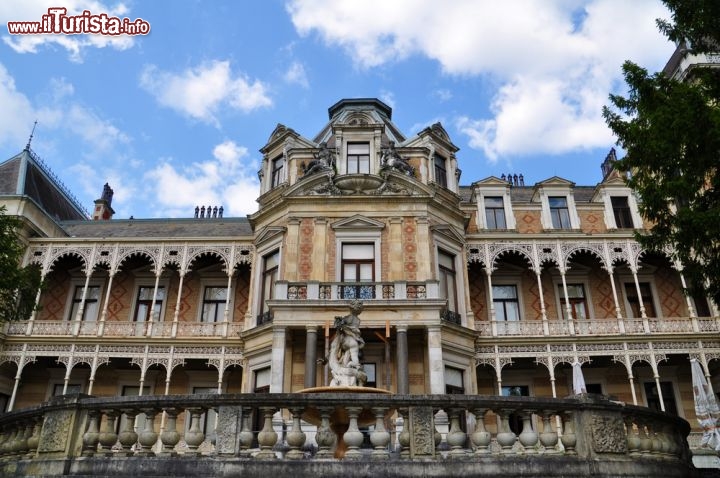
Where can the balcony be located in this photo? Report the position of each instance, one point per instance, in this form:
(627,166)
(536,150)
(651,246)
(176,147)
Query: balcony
(315,290)
(410,435)
(605,327)
(46,328)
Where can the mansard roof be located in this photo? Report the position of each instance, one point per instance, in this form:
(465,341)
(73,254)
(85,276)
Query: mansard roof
(157,228)
(27,175)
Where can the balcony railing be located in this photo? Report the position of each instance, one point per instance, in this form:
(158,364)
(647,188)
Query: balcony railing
(47,328)
(411,435)
(556,328)
(314,290)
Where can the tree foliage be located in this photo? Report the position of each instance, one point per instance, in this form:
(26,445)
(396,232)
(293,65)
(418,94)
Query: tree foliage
(670,131)
(18,285)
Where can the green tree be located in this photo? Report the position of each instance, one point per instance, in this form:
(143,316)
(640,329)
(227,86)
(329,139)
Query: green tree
(18,285)
(670,131)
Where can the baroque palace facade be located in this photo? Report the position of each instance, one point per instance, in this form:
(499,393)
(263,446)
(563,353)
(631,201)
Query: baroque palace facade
(491,288)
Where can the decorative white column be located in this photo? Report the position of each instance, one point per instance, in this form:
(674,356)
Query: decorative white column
(106,304)
(618,314)
(158,273)
(176,312)
(81,308)
(21,365)
(492,315)
(437,367)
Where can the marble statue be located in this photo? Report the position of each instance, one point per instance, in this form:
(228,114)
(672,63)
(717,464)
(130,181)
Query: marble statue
(343,360)
(391,159)
(324,161)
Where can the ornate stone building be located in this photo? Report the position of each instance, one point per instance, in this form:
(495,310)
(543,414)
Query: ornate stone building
(491,288)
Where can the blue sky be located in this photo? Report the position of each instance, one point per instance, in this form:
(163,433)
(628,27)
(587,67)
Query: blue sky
(175,118)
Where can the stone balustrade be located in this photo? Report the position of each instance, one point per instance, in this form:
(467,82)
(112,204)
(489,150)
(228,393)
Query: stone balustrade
(87,436)
(45,328)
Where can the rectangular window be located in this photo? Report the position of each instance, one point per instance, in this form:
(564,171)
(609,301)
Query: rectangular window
(278,167)
(634,301)
(271,263)
(448,284)
(358,265)
(440,171)
(506,303)
(578,303)
(214,301)
(262,380)
(358,158)
(621,210)
(702,309)
(92,303)
(495,212)
(454,383)
(71,389)
(371,372)
(144,303)
(653,398)
(559,212)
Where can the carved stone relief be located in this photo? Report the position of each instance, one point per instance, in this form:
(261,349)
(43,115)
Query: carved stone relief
(608,434)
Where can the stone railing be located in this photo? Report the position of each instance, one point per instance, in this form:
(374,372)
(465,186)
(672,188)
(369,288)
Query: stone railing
(44,328)
(440,435)
(554,327)
(315,290)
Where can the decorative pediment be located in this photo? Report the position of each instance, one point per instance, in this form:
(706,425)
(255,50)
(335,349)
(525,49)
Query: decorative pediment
(269,233)
(613,184)
(491,181)
(448,233)
(554,183)
(358,222)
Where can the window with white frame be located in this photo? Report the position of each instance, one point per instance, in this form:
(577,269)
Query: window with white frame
(92,303)
(440,164)
(447,279)
(621,212)
(454,381)
(576,298)
(358,265)
(278,171)
(505,300)
(144,310)
(645,299)
(559,212)
(213,306)
(271,265)
(495,212)
(358,158)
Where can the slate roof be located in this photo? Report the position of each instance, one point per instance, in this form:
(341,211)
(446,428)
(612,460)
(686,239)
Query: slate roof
(518,194)
(26,175)
(231,227)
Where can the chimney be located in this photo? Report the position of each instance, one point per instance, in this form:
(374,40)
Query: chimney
(608,166)
(103,210)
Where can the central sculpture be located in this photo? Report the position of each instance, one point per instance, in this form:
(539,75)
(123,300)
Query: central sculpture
(344,357)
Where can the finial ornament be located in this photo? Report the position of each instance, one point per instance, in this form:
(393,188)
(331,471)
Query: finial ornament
(32,133)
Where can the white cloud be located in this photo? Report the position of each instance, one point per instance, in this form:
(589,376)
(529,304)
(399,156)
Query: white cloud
(554,63)
(388,97)
(200,92)
(32,10)
(228,180)
(296,74)
(442,94)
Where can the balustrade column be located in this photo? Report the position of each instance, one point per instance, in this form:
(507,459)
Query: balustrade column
(310,356)
(128,437)
(267,437)
(108,437)
(295,437)
(170,436)
(456,437)
(194,436)
(176,313)
(148,436)
(403,374)
(106,304)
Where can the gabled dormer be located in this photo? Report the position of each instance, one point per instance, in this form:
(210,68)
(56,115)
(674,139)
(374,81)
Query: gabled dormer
(283,154)
(558,210)
(620,205)
(494,208)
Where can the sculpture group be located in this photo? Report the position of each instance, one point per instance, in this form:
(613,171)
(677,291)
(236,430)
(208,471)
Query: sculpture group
(344,356)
